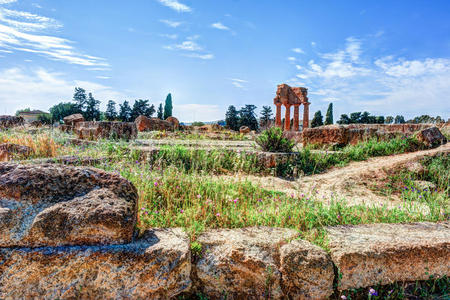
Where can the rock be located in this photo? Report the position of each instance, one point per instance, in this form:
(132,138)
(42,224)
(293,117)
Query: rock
(307,271)
(174,121)
(424,185)
(244,130)
(157,266)
(56,205)
(149,124)
(73,119)
(415,167)
(431,137)
(7,122)
(71,160)
(255,263)
(8,151)
(367,255)
(105,130)
(326,135)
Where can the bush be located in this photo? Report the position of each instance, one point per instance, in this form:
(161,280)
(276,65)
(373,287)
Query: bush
(272,140)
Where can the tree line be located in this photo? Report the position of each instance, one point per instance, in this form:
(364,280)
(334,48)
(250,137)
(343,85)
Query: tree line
(89,107)
(246,116)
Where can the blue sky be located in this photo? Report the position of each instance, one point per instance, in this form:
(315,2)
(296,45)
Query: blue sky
(386,57)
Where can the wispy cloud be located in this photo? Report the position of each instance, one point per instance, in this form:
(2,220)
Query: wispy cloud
(169,36)
(291,58)
(27,32)
(219,26)
(186,45)
(7,1)
(237,82)
(192,48)
(170,23)
(298,50)
(200,56)
(175,5)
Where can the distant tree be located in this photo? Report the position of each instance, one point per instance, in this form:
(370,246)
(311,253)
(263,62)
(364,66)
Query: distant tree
(142,108)
(80,98)
(168,107)
(344,120)
(45,119)
(317,120)
(266,116)
(160,111)
(247,117)
(125,112)
(111,112)
(198,123)
(232,118)
(62,110)
(355,118)
(389,120)
(329,116)
(92,109)
(399,119)
(379,120)
(23,110)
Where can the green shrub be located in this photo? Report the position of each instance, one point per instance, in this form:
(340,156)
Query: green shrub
(272,140)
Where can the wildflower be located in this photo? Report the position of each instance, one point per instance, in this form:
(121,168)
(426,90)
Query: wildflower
(235,200)
(343,297)
(372,292)
(156,183)
(218,215)
(259,200)
(181,211)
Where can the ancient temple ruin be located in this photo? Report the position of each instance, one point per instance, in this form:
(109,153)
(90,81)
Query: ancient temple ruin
(291,96)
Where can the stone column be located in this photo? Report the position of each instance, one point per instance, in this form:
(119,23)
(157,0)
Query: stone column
(306,115)
(287,118)
(278,116)
(296,117)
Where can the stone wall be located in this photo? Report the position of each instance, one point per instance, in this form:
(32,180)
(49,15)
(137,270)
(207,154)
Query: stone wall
(107,130)
(7,122)
(354,133)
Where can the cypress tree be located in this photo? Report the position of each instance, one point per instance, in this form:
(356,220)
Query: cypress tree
(329,116)
(168,107)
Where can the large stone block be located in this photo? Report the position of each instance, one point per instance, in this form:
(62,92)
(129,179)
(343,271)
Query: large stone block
(73,119)
(431,137)
(7,122)
(259,263)
(157,266)
(149,124)
(105,130)
(368,255)
(55,205)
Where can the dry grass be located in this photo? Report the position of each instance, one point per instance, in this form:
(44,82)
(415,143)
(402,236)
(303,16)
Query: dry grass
(42,145)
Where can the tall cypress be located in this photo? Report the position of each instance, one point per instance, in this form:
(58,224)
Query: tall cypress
(168,107)
(329,116)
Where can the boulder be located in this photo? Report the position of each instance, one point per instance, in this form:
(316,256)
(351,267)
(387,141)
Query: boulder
(174,121)
(106,130)
(9,151)
(56,205)
(368,255)
(157,266)
(256,263)
(244,130)
(7,122)
(326,135)
(73,119)
(150,124)
(431,137)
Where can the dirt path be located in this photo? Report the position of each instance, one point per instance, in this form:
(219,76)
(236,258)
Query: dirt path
(349,182)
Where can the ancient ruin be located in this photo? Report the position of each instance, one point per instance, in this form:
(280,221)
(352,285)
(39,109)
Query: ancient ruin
(291,96)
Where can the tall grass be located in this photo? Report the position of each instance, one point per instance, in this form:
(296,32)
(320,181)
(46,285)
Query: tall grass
(42,145)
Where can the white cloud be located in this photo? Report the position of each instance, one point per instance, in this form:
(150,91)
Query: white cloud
(219,26)
(7,1)
(197,112)
(239,83)
(291,58)
(103,77)
(298,50)
(41,89)
(169,36)
(175,5)
(313,44)
(186,45)
(27,21)
(170,23)
(200,56)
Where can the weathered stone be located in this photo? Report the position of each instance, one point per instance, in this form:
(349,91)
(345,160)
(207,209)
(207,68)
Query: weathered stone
(105,130)
(368,255)
(244,130)
(8,151)
(7,122)
(431,137)
(71,160)
(149,124)
(73,119)
(157,266)
(241,263)
(55,205)
(307,271)
(291,96)
(174,121)
(326,135)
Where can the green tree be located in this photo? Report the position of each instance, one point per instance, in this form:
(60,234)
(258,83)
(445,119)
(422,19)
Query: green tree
(380,120)
(125,112)
(247,117)
(317,120)
(80,98)
(168,107)
(92,109)
(399,119)
(63,109)
(344,120)
(160,111)
(329,116)
(111,112)
(142,108)
(232,118)
(45,119)
(23,110)
(355,118)
(266,116)
(389,120)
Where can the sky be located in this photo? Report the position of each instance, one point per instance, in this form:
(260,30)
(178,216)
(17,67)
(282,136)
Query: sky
(385,57)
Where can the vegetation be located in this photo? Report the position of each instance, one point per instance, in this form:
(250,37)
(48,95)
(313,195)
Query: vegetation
(247,117)
(62,110)
(92,112)
(272,140)
(361,118)
(168,107)
(329,116)
(142,108)
(232,118)
(160,113)
(125,112)
(266,116)
(111,112)
(317,120)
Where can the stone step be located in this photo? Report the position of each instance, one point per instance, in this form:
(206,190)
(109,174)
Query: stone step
(368,255)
